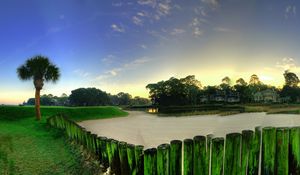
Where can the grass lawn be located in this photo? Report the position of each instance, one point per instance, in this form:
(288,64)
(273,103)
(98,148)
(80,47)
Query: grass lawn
(29,147)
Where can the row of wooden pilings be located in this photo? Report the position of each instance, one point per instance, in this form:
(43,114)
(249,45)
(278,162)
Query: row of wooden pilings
(272,150)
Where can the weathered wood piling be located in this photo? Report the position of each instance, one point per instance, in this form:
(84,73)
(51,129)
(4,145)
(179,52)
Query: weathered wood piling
(279,149)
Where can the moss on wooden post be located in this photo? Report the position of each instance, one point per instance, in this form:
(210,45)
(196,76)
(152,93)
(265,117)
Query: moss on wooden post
(188,157)
(217,156)
(232,164)
(124,166)
(294,157)
(200,163)
(94,144)
(175,157)
(253,165)
(282,151)
(131,159)
(208,152)
(163,157)
(103,151)
(108,151)
(89,141)
(115,164)
(247,139)
(150,161)
(139,159)
(268,151)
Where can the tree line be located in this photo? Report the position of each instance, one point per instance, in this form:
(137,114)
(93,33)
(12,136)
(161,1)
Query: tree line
(90,97)
(189,91)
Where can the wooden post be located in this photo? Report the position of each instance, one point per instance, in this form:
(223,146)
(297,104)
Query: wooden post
(99,149)
(217,150)
(232,164)
(175,157)
(115,163)
(109,151)
(294,157)
(247,139)
(94,144)
(188,157)
(268,151)
(150,161)
(123,158)
(131,159)
(163,157)
(104,153)
(253,165)
(200,163)
(282,151)
(139,159)
(208,152)
(88,141)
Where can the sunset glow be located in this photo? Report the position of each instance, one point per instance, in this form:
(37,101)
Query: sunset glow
(124,45)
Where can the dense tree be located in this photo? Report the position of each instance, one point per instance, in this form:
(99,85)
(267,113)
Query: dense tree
(88,97)
(140,101)
(39,69)
(50,100)
(241,82)
(124,98)
(290,93)
(291,79)
(226,80)
(254,79)
(175,91)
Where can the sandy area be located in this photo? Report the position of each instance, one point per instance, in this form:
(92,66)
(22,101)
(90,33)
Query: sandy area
(149,130)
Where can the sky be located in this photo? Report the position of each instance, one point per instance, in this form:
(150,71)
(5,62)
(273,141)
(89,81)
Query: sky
(123,45)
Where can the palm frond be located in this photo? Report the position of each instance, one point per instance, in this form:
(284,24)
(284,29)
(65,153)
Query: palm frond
(38,66)
(52,73)
(24,73)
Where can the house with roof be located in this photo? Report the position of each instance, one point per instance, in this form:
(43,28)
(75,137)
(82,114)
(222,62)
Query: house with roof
(266,96)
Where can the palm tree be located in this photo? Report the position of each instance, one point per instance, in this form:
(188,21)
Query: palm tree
(38,69)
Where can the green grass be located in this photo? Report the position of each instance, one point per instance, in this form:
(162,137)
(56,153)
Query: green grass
(75,113)
(29,147)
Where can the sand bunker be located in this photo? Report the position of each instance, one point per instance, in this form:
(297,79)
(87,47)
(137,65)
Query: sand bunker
(149,130)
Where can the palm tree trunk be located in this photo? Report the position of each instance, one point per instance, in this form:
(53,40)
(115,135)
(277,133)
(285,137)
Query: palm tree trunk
(37,104)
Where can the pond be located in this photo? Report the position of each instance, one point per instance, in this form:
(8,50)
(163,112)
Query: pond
(141,128)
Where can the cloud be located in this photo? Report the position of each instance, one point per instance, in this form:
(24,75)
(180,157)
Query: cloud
(290,10)
(81,73)
(212,3)
(143,46)
(157,34)
(197,32)
(200,11)
(136,20)
(161,8)
(177,31)
(114,72)
(136,62)
(117,28)
(223,29)
(108,58)
(195,24)
(142,14)
(147,2)
(288,64)
(130,65)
